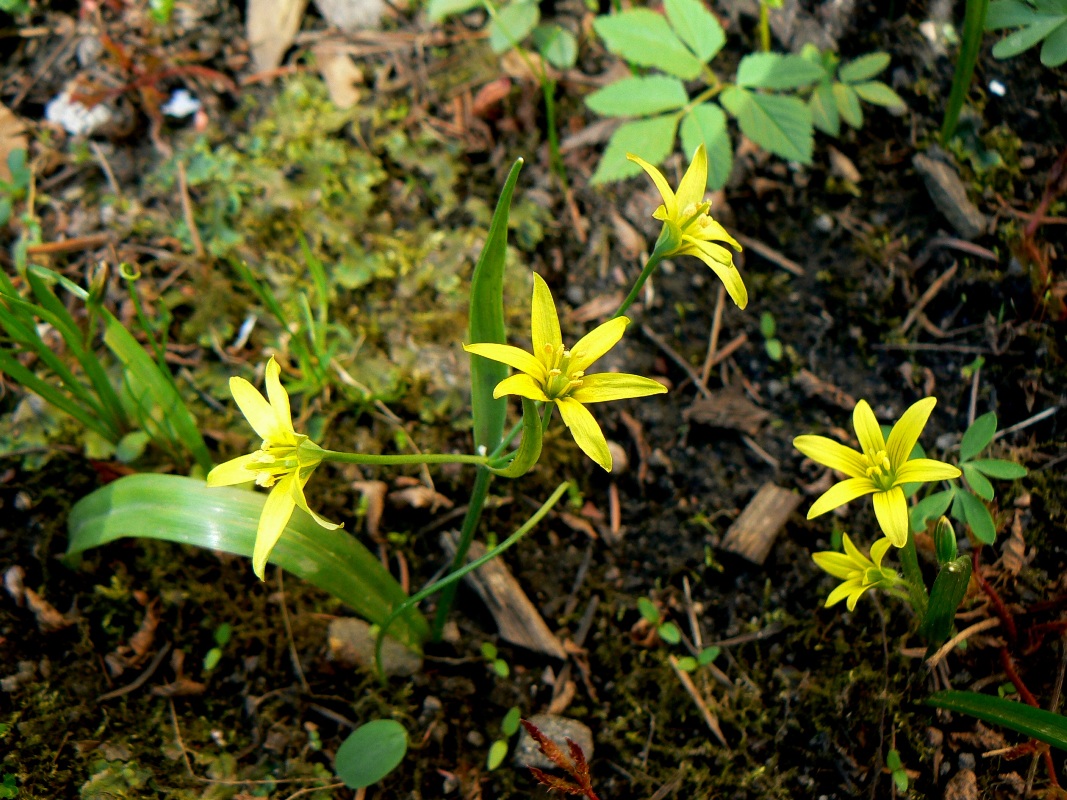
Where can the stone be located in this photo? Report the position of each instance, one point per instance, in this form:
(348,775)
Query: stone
(351,644)
(559,730)
(950,196)
(963,786)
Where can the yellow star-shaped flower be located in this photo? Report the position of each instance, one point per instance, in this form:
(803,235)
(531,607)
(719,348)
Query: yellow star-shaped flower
(554,374)
(284,462)
(858,572)
(881,469)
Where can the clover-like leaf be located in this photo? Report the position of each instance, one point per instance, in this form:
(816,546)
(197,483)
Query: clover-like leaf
(775,71)
(696,26)
(1045,20)
(863,68)
(639,97)
(512,24)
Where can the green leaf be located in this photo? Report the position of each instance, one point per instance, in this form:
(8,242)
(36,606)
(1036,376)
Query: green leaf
(781,125)
(175,509)
(644,38)
(370,753)
(848,105)
(978,482)
(648,610)
(978,436)
(1025,38)
(1037,723)
(439,9)
(929,507)
(879,94)
(638,97)
(557,44)
(512,24)
(774,349)
(1009,14)
(978,517)
(999,468)
(1054,50)
(706,124)
(775,71)
(498,751)
(131,446)
(687,664)
(669,633)
(708,654)
(652,139)
(510,725)
(487,323)
(696,26)
(950,586)
(824,109)
(17,164)
(863,68)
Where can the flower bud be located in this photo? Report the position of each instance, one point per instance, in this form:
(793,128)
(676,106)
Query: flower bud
(944,541)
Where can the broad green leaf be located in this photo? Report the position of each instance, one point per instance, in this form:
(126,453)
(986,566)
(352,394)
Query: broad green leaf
(950,586)
(978,517)
(775,71)
(696,26)
(824,114)
(644,38)
(929,508)
(512,24)
(639,97)
(558,45)
(652,139)
(781,125)
(175,509)
(487,323)
(1025,38)
(370,752)
(1045,726)
(1054,50)
(669,633)
(848,105)
(978,436)
(439,9)
(863,68)
(1009,14)
(999,468)
(707,124)
(978,482)
(879,94)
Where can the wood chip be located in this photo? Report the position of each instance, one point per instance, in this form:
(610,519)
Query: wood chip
(753,533)
(12,137)
(814,386)
(727,408)
(270,27)
(517,620)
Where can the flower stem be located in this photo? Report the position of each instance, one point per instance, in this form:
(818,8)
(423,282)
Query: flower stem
(662,245)
(411,458)
(909,560)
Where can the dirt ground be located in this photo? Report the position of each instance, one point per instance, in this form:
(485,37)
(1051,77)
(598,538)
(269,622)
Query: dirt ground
(872,293)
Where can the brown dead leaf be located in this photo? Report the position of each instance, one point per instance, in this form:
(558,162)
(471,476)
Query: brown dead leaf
(340,73)
(373,493)
(352,15)
(13,583)
(726,408)
(49,619)
(271,27)
(420,497)
(12,137)
(489,97)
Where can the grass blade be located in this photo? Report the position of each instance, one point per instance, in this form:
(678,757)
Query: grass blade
(1035,722)
(973,29)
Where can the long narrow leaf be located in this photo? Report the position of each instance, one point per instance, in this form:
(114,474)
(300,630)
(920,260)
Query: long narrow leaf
(1038,723)
(86,416)
(487,322)
(974,20)
(176,509)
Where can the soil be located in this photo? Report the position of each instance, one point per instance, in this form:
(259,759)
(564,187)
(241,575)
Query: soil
(394,196)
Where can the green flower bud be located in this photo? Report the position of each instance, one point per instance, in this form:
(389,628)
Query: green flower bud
(944,541)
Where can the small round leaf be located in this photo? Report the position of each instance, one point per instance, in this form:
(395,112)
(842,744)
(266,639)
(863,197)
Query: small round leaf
(370,753)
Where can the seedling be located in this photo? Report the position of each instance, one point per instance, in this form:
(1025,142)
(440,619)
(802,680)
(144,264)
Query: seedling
(667,631)
(498,665)
(498,750)
(896,770)
(222,637)
(771,344)
(703,658)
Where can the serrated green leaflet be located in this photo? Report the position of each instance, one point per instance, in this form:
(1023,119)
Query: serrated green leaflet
(775,71)
(877,93)
(707,124)
(863,67)
(652,139)
(930,507)
(697,27)
(176,509)
(558,45)
(638,97)
(511,24)
(1036,722)
(781,125)
(848,104)
(644,38)
(824,114)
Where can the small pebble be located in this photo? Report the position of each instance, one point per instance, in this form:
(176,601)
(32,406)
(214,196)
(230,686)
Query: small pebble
(558,729)
(966,760)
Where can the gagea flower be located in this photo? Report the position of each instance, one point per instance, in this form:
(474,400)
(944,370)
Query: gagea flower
(881,469)
(283,463)
(690,229)
(858,572)
(554,374)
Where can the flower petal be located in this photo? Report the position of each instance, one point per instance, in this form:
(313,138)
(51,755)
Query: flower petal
(837,564)
(544,324)
(841,493)
(906,432)
(854,596)
(858,559)
(236,470)
(297,492)
(512,356)
(922,470)
(832,454)
(891,509)
(586,431)
(867,430)
(597,342)
(279,399)
(710,254)
(606,386)
(256,409)
(878,550)
(276,513)
(522,385)
(841,592)
(712,231)
(665,191)
(695,181)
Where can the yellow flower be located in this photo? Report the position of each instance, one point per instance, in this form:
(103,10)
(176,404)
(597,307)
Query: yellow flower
(881,469)
(553,374)
(689,229)
(858,572)
(284,462)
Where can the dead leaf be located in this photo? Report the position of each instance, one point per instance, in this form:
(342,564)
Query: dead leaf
(271,27)
(49,620)
(373,493)
(726,408)
(419,497)
(12,137)
(340,73)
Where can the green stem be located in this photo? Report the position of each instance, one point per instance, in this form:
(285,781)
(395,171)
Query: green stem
(452,578)
(764,28)
(914,577)
(397,460)
(651,264)
(466,536)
